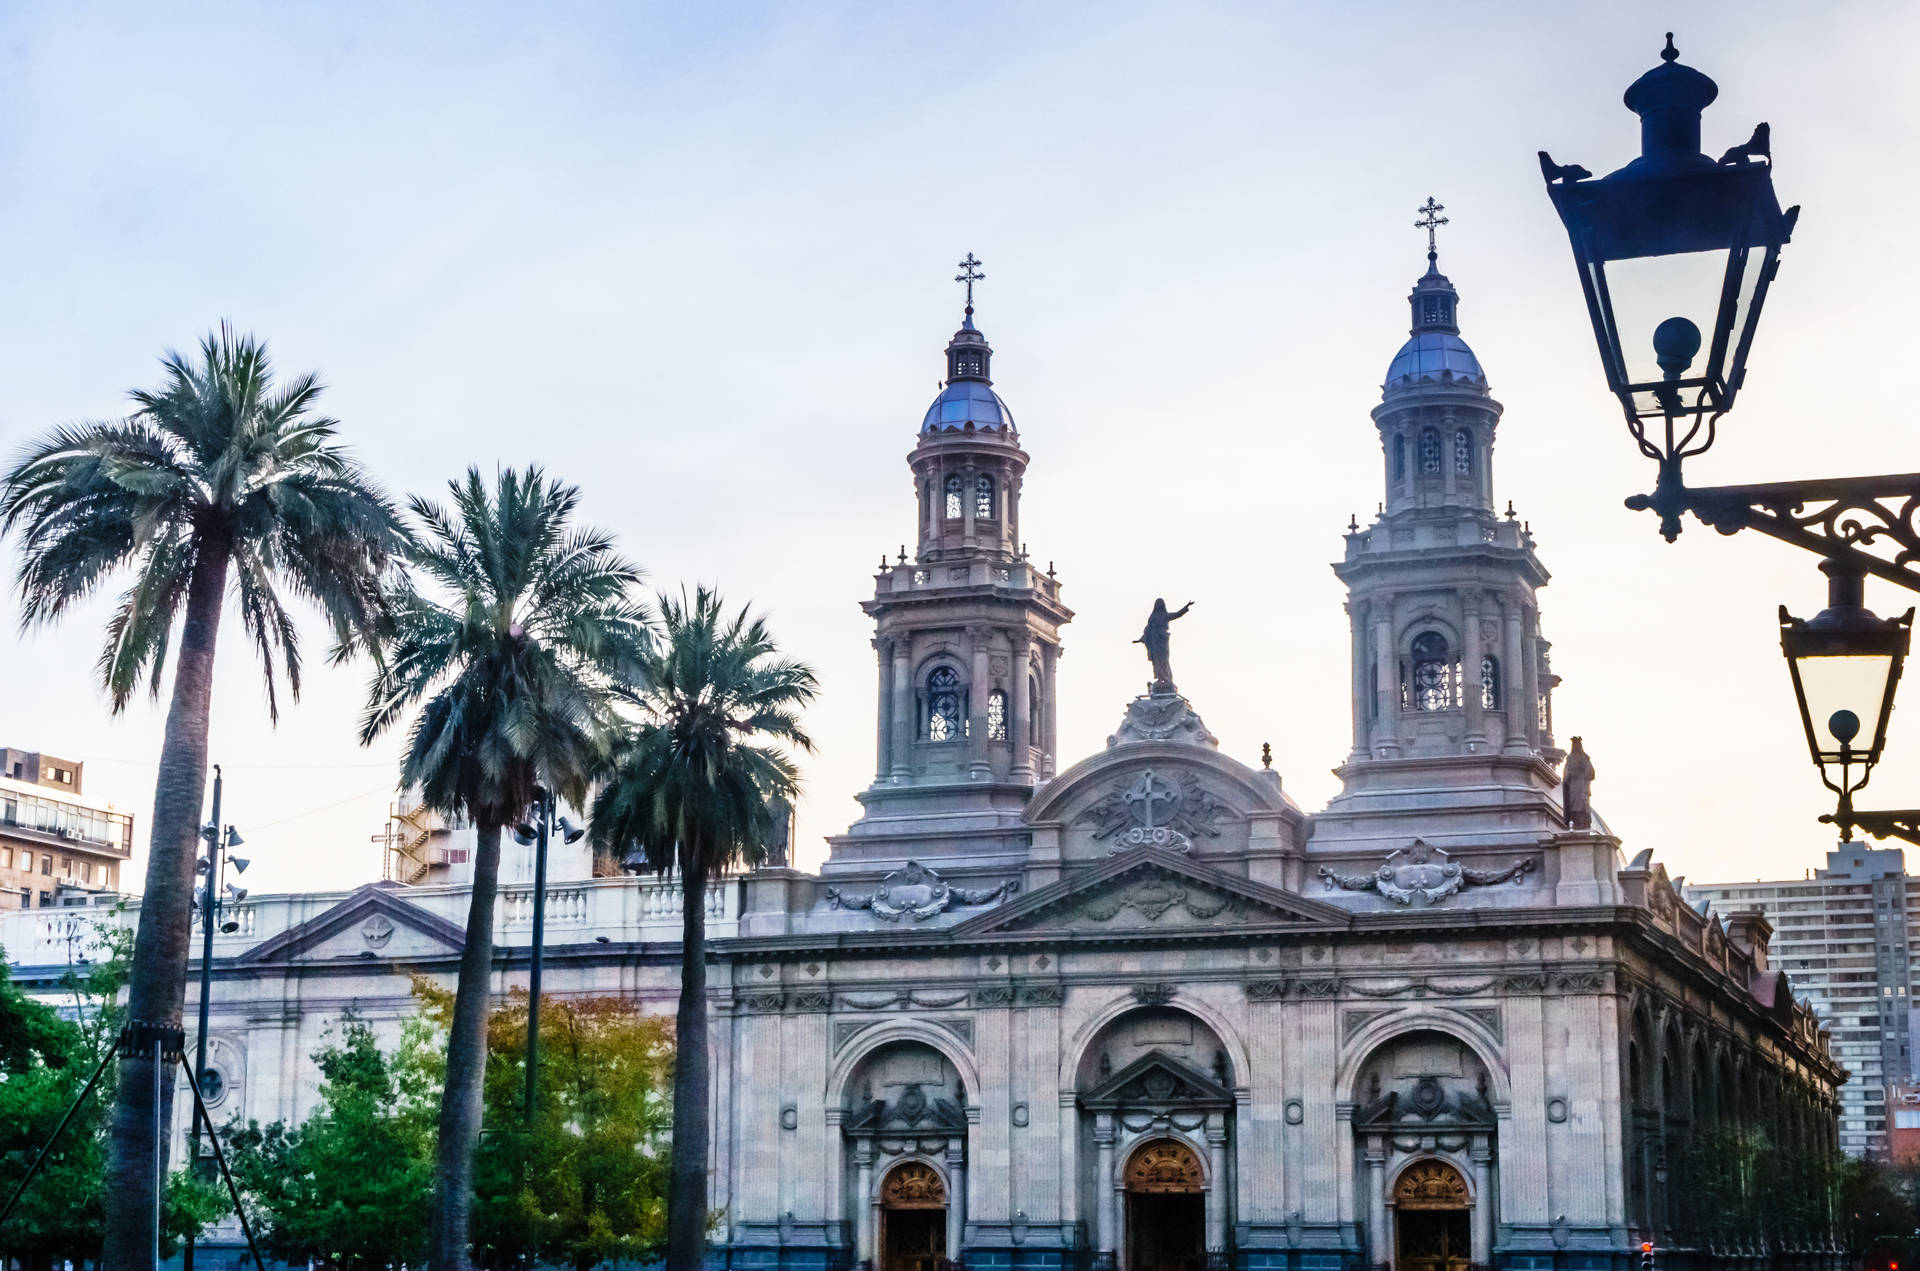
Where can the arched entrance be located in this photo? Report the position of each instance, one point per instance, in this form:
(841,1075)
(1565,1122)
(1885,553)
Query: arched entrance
(1166,1208)
(1431,1205)
(913,1218)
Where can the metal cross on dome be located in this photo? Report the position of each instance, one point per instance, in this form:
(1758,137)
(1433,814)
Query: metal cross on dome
(1430,220)
(970,274)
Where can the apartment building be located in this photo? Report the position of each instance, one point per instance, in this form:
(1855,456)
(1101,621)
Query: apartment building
(57,846)
(1843,936)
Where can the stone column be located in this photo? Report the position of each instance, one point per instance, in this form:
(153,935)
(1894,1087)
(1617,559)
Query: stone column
(837,1181)
(969,477)
(1362,677)
(1518,708)
(1482,1152)
(982,768)
(1386,728)
(1530,677)
(1378,1255)
(902,711)
(883,761)
(1470,655)
(956,1197)
(866,1205)
(1049,718)
(1106,1192)
(1217,1189)
(1020,726)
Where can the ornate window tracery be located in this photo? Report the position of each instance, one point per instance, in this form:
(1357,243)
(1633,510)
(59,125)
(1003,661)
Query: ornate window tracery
(955,488)
(996,716)
(945,714)
(1463,453)
(1490,682)
(1433,680)
(983,499)
(1430,452)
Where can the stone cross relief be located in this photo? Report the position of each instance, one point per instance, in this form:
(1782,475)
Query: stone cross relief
(1422,874)
(1150,809)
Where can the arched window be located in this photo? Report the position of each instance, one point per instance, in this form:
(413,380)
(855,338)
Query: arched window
(1463,453)
(983,499)
(1490,683)
(1430,452)
(996,716)
(955,487)
(1435,677)
(1399,458)
(1033,710)
(945,714)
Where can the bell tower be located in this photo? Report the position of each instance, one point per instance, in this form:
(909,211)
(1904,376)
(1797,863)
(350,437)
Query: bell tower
(1451,686)
(968,636)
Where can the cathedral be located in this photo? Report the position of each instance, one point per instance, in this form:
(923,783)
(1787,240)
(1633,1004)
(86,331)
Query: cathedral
(1138,1010)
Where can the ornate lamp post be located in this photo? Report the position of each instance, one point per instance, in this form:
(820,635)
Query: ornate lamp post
(535,835)
(1675,228)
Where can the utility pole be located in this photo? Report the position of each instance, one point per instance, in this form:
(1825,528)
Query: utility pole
(206,983)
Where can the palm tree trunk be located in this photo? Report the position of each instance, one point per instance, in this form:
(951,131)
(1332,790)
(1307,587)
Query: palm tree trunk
(157,983)
(460,1101)
(687,1178)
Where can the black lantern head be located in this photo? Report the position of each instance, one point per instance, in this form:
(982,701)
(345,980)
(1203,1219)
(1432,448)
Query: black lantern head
(1845,664)
(1651,312)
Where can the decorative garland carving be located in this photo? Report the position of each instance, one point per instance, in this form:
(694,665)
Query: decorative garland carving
(1266,990)
(1422,874)
(917,891)
(1152,897)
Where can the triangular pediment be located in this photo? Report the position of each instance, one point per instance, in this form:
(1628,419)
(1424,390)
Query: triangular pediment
(1147,891)
(1158,1080)
(372,922)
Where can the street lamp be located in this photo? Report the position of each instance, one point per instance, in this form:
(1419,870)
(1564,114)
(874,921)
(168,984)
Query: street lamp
(1677,229)
(213,865)
(1845,664)
(534,834)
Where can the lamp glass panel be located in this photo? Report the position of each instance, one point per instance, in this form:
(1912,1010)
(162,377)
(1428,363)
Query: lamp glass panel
(1647,290)
(1854,682)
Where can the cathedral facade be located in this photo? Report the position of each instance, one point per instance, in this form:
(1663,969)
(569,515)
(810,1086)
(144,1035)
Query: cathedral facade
(1138,1010)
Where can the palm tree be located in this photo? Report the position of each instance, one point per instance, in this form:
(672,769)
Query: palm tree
(689,792)
(522,627)
(219,482)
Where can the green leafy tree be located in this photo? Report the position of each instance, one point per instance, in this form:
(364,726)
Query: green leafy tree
(508,629)
(689,793)
(220,483)
(45,1061)
(352,1184)
(585,1183)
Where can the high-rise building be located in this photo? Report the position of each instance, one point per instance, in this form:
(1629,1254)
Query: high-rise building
(57,847)
(1842,934)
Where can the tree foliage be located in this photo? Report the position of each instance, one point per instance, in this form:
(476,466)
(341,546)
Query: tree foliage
(45,1061)
(352,1185)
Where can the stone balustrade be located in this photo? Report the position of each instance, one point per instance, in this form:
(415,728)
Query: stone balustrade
(628,908)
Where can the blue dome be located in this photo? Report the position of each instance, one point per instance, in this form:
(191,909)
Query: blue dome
(1428,356)
(965,402)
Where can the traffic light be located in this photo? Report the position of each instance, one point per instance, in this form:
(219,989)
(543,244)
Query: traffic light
(1646,1255)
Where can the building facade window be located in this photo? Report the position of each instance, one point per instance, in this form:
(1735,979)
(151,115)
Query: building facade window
(945,714)
(1463,453)
(1433,679)
(955,488)
(996,716)
(1489,683)
(1430,452)
(983,499)
(1399,458)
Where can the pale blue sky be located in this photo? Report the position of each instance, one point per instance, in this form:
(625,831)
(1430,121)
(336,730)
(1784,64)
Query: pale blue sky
(696,258)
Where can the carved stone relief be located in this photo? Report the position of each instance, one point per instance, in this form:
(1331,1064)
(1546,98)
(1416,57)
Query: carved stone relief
(1422,874)
(919,892)
(1151,809)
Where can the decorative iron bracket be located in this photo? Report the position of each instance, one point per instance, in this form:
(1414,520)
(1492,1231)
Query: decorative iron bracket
(1882,825)
(1840,517)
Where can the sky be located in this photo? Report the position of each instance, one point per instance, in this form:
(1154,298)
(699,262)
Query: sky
(696,259)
